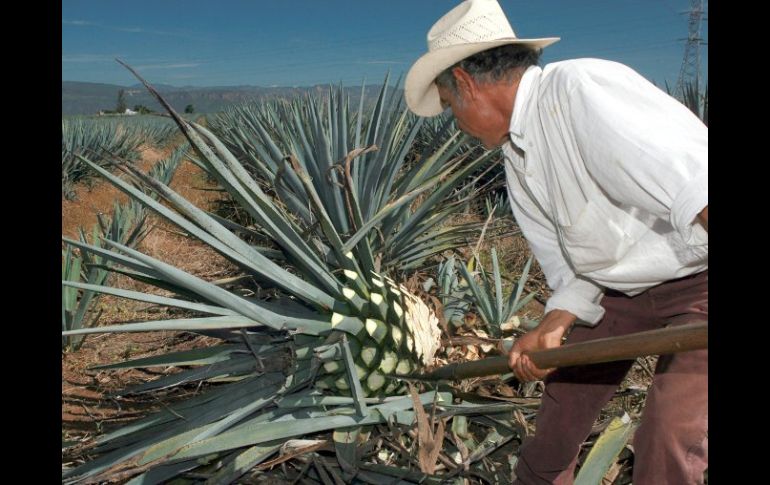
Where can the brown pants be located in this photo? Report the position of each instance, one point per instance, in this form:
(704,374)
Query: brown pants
(671,443)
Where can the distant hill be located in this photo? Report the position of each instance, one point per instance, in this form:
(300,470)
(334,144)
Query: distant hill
(80,98)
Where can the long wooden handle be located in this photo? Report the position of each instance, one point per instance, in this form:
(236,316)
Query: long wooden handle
(668,340)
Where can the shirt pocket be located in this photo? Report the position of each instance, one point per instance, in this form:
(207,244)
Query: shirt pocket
(595,240)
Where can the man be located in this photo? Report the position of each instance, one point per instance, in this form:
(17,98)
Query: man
(608,180)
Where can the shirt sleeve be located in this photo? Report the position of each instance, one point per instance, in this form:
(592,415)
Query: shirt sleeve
(640,145)
(572,293)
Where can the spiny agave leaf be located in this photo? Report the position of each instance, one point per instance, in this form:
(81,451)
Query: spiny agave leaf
(498,287)
(378,127)
(392,169)
(265,213)
(435,162)
(201,287)
(419,254)
(233,247)
(448,182)
(180,221)
(212,430)
(301,146)
(197,410)
(316,326)
(514,303)
(385,211)
(605,451)
(206,410)
(481,298)
(239,228)
(236,365)
(248,434)
(346,447)
(205,355)
(359,121)
(240,414)
(159,283)
(426,230)
(162,473)
(256,262)
(293,402)
(112,256)
(353,380)
(155,299)
(351,193)
(244,461)
(326,224)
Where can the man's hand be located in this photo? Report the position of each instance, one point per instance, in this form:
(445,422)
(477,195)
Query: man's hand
(547,335)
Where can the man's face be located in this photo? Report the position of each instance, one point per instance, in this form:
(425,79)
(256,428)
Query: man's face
(475,114)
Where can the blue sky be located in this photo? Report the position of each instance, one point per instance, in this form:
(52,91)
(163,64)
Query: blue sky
(306,42)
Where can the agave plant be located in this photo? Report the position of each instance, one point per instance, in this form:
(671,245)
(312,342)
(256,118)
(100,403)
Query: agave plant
(453,292)
(126,225)
(335,321)
(121,138)
(319,134)
(494,308)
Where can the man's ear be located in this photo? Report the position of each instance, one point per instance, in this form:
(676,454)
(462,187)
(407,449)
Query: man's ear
(466,85)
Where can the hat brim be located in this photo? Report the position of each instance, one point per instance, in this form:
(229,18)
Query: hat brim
(420,89)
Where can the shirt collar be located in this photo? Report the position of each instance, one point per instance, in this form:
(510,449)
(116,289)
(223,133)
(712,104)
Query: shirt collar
(524,94)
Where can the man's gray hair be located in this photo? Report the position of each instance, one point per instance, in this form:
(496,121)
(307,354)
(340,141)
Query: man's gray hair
(504,62)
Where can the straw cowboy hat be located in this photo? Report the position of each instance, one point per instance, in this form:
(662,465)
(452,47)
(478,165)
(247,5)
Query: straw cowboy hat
(471,27)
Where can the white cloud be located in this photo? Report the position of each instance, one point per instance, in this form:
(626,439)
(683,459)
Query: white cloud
(133,30)
(76,22)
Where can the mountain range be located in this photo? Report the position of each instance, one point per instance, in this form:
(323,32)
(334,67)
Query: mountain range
(82,98)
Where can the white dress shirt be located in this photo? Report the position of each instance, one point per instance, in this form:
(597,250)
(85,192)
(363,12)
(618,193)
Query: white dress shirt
(606,175)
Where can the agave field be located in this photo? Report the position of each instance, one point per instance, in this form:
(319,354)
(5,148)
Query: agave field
(102,137)
(363,244)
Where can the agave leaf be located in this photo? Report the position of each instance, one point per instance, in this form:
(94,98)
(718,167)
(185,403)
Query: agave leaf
(311,327)
(346,447)
(155,299)
(300,401)
(248,434)
(113,256)
(236,365)
(498,287)
(201,287)
(162,473)
(514,304)
(244,461)
(480,296)
(196,418)
(262,209)
(605,451)
(205,355)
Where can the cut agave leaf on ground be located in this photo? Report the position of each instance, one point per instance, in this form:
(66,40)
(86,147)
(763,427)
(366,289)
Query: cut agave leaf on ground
(605,451)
